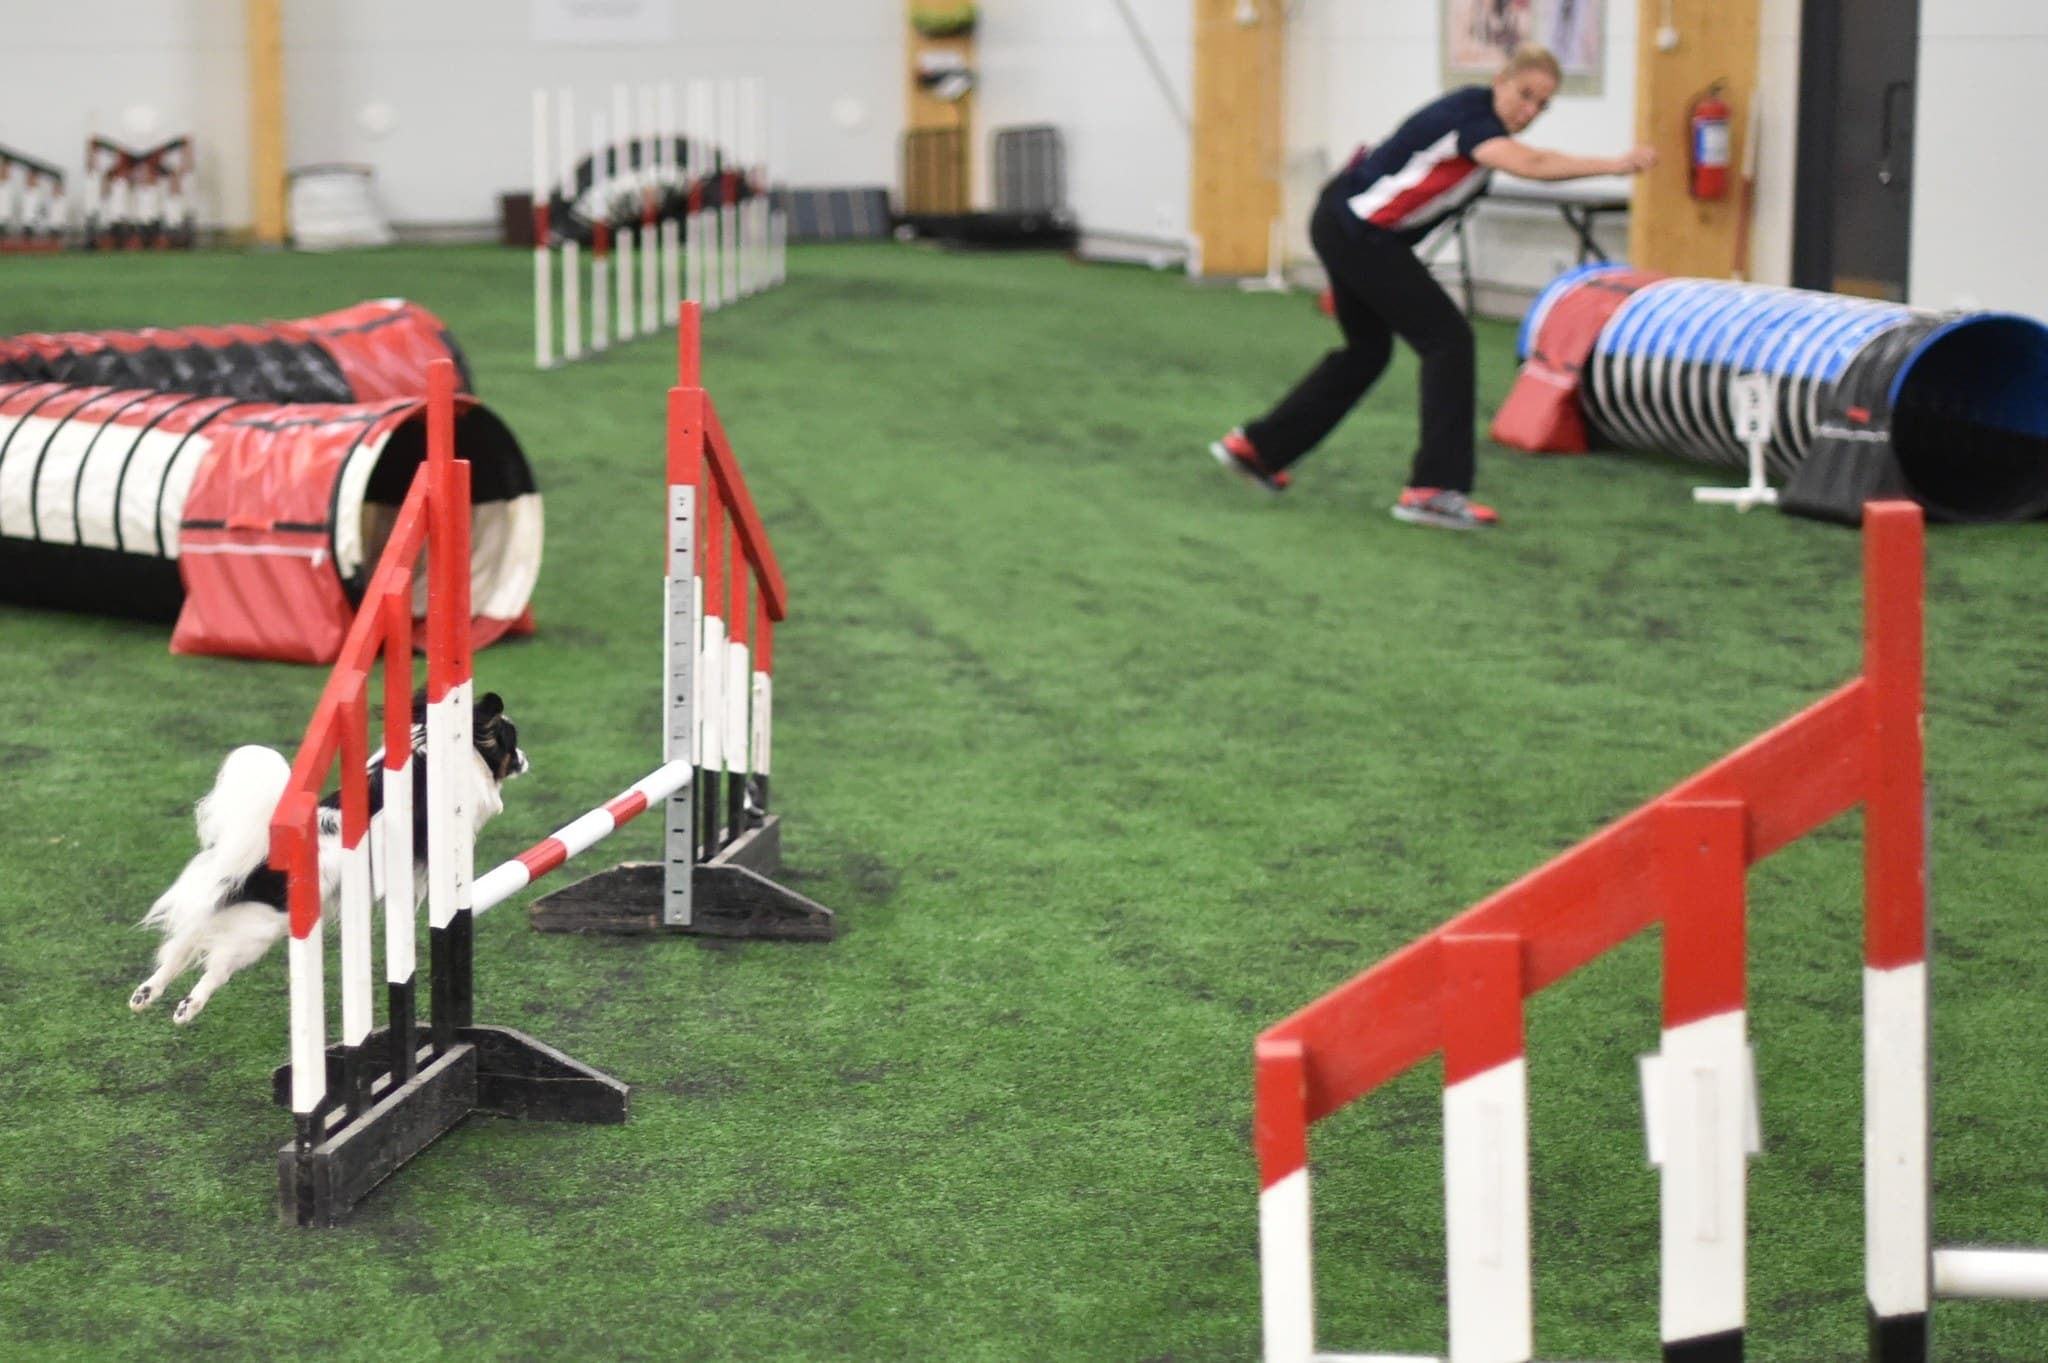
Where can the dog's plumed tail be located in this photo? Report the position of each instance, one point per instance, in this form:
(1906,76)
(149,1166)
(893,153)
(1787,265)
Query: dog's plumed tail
(234,837)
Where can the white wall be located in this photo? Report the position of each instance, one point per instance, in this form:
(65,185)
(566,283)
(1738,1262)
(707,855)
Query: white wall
(138,72)
(1081,65)
(456,77)
(1356,68)
(1979,196)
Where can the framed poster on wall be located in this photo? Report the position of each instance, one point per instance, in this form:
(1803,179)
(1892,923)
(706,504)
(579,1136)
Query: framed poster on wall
(1478,35)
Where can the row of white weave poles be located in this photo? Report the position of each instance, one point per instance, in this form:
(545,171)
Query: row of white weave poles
(674,200)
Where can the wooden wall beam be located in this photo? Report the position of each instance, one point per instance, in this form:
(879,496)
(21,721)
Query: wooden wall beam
(936,181)
(1668,229)
(1239,147)
(265,40)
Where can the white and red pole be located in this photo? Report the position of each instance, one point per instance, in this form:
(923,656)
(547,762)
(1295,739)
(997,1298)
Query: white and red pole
(1897,1193)
(543,284)
(600,234)
(572,250)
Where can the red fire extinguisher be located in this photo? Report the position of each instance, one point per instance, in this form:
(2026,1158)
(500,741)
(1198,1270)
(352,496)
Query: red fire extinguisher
(1707,145)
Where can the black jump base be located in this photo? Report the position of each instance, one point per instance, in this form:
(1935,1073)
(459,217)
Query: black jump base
(492,1070)
(732,895)
(1035,230)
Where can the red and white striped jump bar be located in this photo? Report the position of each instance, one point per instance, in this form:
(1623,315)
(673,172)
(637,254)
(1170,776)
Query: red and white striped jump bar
(578,835)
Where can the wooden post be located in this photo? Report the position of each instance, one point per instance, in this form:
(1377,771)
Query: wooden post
(266,121)
(1238,150)
(1668,229)
(933,183)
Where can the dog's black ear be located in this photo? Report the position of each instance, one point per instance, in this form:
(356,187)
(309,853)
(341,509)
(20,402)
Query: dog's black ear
(490,707)
(419,706)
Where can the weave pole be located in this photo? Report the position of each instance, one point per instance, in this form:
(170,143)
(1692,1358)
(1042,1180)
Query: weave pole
(543,231)
(686,192)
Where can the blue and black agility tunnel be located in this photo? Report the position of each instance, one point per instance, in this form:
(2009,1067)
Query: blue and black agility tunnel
(1874,399)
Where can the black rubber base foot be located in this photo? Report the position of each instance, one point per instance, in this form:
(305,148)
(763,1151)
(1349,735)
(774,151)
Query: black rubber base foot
(493,1070)
(732,895)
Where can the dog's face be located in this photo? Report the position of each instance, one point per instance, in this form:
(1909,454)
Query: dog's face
(497,738)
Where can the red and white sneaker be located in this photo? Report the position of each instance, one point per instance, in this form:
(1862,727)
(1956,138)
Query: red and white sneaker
(1235,453)
(1444,508)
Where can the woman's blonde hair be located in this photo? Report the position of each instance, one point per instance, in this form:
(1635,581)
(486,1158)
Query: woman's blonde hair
(1533,57)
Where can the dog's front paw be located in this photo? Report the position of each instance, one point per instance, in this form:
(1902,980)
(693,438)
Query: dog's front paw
(141,998)
(188,1008)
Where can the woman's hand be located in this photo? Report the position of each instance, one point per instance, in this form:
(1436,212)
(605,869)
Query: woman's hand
(1635,161)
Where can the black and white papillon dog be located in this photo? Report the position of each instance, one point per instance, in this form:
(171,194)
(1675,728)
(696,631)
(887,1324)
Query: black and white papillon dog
(227,907)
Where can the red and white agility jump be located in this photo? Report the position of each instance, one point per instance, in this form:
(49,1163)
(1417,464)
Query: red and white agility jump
(1679,862)
(364,1106)
(691,199)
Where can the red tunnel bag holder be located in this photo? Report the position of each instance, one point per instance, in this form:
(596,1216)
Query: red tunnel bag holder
(255,543)
(1542,412)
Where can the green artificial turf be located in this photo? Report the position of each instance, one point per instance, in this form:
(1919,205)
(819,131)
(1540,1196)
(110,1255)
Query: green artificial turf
(1106,761)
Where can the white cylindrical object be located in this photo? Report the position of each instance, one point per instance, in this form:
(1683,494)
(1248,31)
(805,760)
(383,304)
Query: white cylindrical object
(671,234)
(499,884)
(2001,1274)
(448,837)
(764,699)
(738,690)
(701,269)
(577,836)
(572,263)
(649,182)
(600,217)
(711,661)
(728,211)
(627,229)
(399,909)
(356,1006)
(543,286)
(748,139)
(309,1021)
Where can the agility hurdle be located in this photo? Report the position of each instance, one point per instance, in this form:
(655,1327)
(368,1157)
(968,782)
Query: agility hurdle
(688,198)
(34,215)
(363,1107)
(141,200)
(1679,862)
(723,595)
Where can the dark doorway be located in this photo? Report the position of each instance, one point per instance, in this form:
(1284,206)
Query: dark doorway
(1854,202)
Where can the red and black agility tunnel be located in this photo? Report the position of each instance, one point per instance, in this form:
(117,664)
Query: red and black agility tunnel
(1874,399)
(371,352)
(254,525)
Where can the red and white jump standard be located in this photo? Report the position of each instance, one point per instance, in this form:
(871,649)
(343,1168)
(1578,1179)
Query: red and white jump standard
(364,1107)
(723,593)
(1679,861)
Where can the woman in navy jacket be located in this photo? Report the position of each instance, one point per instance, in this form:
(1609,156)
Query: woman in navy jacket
(1364,229)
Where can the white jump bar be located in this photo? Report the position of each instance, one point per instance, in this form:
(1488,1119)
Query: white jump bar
(2003,1274)
(503,881)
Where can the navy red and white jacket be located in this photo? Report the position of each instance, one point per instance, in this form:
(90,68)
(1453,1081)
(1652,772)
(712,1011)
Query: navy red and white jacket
(1425,171)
